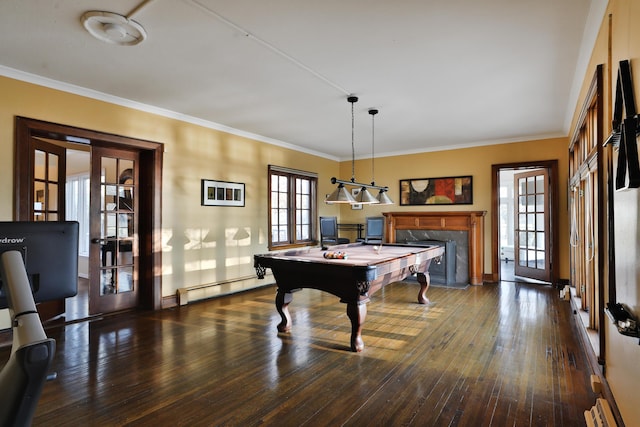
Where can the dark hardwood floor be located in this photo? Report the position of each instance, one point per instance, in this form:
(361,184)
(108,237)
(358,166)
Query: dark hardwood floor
(492,355)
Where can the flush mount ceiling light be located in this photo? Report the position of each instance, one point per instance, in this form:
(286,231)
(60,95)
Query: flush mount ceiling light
(113,28)
(340,194)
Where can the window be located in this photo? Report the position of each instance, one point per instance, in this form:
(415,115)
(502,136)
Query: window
(292,207)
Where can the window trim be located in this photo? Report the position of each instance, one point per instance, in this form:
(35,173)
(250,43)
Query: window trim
(292,174)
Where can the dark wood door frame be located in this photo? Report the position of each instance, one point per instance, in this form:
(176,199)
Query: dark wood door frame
(150,225)
(552,167)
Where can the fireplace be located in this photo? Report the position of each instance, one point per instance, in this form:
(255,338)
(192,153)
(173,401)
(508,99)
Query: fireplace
(443,270)
(466,228)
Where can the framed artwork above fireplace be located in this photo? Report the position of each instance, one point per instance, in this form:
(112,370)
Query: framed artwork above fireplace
(451,190)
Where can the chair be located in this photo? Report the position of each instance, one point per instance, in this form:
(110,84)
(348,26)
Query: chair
(329,232)
(374,232)
(22,378)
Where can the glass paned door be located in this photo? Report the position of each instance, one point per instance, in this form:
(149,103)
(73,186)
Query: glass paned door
(532,225)
(48,182)
(46,198)
(114,221)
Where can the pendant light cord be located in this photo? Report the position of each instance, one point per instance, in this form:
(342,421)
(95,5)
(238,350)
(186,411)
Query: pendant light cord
(373,113)
(353,100)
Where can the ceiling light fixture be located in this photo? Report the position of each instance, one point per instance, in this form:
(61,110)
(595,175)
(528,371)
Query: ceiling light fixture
(341,194)
(113,28)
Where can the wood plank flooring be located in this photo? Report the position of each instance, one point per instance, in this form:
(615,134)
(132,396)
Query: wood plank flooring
(493,355)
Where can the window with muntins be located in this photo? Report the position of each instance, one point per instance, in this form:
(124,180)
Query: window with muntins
(292,207)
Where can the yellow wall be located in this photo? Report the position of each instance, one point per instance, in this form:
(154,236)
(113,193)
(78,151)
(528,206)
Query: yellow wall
(194,152)
(622,356)
(191,153)
(467,161)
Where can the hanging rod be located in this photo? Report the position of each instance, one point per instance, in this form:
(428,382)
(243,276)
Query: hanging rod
(352,182)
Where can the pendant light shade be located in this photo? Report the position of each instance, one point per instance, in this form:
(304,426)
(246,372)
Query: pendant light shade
(340,195)
(365,197)
(383,199)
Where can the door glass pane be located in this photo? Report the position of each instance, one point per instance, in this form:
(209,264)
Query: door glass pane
(540,241)
(531,222)
(540,184)
(52,170)
(107,281)
(39,165)
(522,237)
(109,197)
(125,172)
(125,252)
(531,188)
(109,225)
(540,260)
(38,197)
(52,197)
(522,257)
(125,279)
(522,221)
(125,199)
(125,225)
(109,170)
(540,222)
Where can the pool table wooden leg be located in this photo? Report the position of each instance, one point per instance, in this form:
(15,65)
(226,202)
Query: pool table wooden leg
(356,313)
(424,280)
(282,305)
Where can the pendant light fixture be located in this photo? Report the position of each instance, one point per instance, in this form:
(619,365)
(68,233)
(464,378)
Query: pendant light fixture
(341,194)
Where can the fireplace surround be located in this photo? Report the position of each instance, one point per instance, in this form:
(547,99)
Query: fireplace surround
(471,222)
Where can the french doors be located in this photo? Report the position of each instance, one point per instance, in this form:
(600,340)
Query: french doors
(532,224)
(113,253)
(125,251)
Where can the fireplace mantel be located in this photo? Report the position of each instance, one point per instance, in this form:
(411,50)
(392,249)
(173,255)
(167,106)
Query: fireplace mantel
(470,221)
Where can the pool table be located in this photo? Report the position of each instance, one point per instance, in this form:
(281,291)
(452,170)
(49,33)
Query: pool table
(354,278)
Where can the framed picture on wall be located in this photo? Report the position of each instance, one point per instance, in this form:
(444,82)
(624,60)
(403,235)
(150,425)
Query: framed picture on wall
(354,193)
(222,193)
(450,190)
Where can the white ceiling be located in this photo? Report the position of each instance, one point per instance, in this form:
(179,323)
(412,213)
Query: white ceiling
(443,73)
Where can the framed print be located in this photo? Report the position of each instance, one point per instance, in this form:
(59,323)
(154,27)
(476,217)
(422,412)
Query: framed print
(451,190)
(222,193)
(354,193)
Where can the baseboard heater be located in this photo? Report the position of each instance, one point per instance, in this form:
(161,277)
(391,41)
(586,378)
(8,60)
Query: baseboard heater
(218,289)
(600,415)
